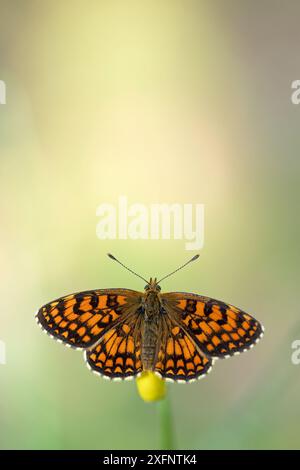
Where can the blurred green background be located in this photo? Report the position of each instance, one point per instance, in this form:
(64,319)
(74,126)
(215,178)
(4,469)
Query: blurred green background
(161,101)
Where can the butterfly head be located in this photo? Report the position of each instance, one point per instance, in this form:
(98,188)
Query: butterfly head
(152,285)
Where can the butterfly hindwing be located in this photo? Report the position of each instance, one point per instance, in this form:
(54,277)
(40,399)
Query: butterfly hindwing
(178,358)
(79,320)
(219,329)
(118,354)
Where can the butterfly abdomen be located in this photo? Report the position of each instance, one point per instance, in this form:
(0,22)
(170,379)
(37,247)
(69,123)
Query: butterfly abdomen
(150,331)
(149,344)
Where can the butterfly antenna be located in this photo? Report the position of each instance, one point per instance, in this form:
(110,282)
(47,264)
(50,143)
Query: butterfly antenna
(180,267)
(128,269)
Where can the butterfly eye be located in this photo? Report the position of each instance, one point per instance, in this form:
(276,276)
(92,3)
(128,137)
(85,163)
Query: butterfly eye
(146,287)
(158,288)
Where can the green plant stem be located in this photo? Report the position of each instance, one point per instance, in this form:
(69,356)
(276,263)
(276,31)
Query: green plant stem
(166,424)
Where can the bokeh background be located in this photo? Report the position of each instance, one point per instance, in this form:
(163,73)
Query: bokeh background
(161,101)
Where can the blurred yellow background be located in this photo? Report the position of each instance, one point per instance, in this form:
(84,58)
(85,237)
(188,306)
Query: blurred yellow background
(170,101)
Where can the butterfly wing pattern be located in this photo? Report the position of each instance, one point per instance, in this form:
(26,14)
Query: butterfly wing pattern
(107,324)
(218,329)
(118,354)
(178,358)
(104,323)
(80,320)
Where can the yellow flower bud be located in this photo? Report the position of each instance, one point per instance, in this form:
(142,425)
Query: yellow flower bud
(151,387)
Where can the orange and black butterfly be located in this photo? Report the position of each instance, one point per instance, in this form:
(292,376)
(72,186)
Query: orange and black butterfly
(123,332)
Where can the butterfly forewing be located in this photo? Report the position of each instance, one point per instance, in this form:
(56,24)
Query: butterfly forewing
(218,329)
(81,319)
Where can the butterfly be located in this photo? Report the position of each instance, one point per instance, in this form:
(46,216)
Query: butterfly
(124,332)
